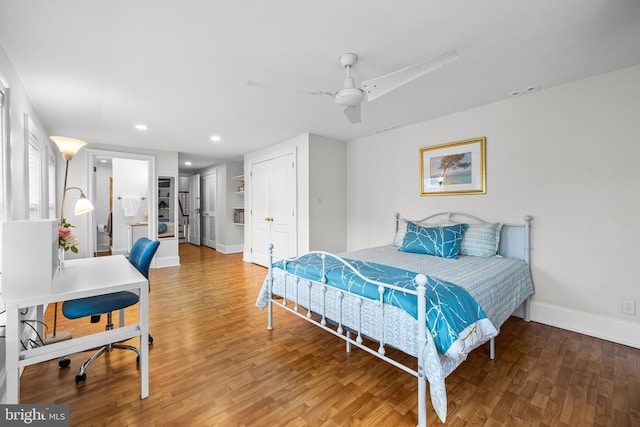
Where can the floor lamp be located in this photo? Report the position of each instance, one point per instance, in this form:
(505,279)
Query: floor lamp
(68,147)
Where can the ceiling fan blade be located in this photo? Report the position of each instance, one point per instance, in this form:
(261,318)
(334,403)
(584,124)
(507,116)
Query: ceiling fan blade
(306,92)
(353,114)
(376,87)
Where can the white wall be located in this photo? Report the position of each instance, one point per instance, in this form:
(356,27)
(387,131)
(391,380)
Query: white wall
(327,194)
(568,156)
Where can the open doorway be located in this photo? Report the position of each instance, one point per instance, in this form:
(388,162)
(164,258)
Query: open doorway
(123,190)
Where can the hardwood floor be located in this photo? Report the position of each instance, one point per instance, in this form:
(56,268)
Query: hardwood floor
(214,363)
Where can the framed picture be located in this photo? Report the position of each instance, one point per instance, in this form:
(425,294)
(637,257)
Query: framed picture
(453,168)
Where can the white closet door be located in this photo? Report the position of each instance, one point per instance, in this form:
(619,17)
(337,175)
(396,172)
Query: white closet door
(194,210)
(260,210)
(283,205)
(273,208)
(209,198)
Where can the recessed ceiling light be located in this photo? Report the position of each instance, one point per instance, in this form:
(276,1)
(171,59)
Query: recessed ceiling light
(216,138)
(187,163)
(141,126)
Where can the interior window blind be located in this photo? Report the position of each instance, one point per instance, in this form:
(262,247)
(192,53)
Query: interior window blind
(35,172)
(3,142)
(51,169)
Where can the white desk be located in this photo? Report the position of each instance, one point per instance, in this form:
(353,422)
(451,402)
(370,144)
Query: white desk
(80,278)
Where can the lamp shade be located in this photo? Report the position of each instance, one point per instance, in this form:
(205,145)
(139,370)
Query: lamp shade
(83,205)
(68,146)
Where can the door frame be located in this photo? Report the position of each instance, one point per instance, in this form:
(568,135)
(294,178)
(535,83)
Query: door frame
(249,241)
(92,155)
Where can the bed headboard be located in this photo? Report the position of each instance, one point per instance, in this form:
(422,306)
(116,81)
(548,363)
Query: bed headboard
(515,239)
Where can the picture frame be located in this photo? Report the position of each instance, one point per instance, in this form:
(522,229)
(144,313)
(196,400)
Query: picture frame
(453,168)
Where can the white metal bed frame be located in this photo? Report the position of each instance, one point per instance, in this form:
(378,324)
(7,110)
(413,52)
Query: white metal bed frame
(514,242)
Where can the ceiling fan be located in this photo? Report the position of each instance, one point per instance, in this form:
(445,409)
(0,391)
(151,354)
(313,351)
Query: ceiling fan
(351,96)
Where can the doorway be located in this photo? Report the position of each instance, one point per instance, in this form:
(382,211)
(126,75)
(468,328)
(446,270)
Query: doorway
(273,207)
(133,187)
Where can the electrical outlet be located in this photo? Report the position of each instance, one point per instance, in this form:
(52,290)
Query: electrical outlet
(628,306)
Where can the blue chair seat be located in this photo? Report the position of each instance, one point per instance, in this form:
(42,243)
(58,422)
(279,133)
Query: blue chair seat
(99,304)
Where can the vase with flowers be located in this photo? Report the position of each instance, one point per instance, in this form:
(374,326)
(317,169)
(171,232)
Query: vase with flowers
(67,241)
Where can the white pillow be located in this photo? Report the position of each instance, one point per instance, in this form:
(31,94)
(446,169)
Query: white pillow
(481,240)
(400,232)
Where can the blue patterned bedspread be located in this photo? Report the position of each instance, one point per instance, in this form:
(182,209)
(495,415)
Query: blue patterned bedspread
(454,319)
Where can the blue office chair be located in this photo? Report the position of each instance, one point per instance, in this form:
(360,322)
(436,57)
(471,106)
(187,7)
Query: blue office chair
(140,256)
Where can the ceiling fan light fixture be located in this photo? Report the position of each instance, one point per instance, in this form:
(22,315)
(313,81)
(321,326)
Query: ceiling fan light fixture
(349,97)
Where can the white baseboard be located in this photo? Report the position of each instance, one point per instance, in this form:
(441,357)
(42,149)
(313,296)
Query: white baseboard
(594,325)
(167,261)
(230,249)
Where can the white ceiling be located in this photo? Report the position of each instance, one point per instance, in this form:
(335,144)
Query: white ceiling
(93,69)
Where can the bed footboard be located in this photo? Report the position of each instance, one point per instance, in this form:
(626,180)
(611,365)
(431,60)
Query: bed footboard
(334,324)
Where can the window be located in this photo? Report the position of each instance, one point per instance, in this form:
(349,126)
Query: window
(51,169)
(35,169)
(4,144)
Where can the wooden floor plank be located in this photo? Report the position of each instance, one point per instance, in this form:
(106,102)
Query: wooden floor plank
(214,363)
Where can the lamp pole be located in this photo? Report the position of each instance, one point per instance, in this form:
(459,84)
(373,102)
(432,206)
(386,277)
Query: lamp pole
(64,191)
(68,147)
(63,335)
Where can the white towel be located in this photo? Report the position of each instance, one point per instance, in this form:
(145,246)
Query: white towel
(130,205)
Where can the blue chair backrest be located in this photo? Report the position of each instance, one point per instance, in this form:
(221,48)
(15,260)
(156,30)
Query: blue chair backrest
(142,253)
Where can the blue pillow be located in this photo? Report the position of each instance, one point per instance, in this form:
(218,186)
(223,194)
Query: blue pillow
(443,242)
(162,227)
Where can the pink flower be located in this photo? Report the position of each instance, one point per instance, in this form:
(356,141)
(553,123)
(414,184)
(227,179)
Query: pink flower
(66,239)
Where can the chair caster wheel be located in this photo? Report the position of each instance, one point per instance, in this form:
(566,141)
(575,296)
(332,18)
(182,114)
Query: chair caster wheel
(81,378)
(64,363)
(138,360)
(150,340)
